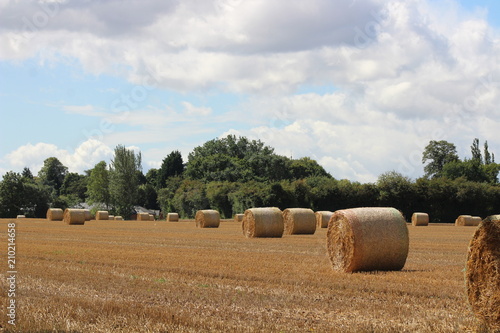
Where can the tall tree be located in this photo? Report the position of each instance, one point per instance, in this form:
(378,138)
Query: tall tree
(172,166)
(124,180)
(53,173)
(438,153)
(476,152)
(75,185)
(98,185)
(488,158)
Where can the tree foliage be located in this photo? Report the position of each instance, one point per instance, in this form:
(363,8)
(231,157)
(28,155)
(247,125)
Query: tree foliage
(171,166)
(53,173)
(438,153)
(98,186)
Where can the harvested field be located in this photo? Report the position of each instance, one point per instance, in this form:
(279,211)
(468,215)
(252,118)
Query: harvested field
(151,276)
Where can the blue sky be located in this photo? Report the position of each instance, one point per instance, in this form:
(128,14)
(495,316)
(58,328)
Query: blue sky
(361,86)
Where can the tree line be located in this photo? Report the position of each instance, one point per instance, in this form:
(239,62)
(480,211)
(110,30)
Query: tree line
(233,173)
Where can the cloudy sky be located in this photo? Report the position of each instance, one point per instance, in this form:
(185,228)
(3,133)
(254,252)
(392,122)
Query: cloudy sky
(359,85)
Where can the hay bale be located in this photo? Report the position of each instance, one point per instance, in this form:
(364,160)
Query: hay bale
(88,215)
(111,217)
(322,218)
(463,220)
(142,217)
(367,239)
(420,219)
(74,216)
(476,220)
(20,216)
(207,218)
(101,215)
(172,217)
(238,217)
(299,221)
(263,222)
(151,217)
(118,218)
(482,275)
(55,214)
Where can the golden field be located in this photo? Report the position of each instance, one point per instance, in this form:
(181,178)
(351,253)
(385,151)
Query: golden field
(130,276)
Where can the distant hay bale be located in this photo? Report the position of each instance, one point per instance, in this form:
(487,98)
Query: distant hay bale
(151,217)
(172,217)
(420,219)
(482,274)
(55,214)
(463,220)
(322,218)
(263,222)
(21,216)
(367,239)
(299,221)
(88,215)
(111,217)
(476,220)
(142,217)
(118,218)
(207,218)
(238,217)
(74,216)
(101,215)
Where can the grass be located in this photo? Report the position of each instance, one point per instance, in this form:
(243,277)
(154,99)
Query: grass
(117,276)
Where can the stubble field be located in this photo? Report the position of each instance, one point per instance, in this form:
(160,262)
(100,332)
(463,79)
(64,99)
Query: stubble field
(129,276)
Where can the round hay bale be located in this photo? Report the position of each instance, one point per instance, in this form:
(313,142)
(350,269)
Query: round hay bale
(322,218)
(101,215)
(207,218)
(476,220)
(463,220)
(118,218)
(88,215)
(74,216)
(299,221)
(263,222)
(151,217)
(482,275)
(420,219)
(111,217)
(55,214)
(367,239)
(20,216)
(172,217)
(238,217)
(142,217)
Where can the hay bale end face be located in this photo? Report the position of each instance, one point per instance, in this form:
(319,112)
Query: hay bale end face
(299,221)
(238,217)
(463,220)
(118,218)
(74,216)
(55,214)
(367,239)
(172,217)
(263,222)
(482,274)
(420,219)
(111,217)
(142,217)
(101,215)
(207,218)
(322,218)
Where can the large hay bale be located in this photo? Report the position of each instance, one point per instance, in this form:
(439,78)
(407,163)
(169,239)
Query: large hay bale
(238,217)
(482,274)
(207,218)
(74,216)
(367,239)
(322,218)
(118,218)
(142,217)
(172,217)
(101,215)
(463,220)
(263,222)
(55,214)
(420,219)
(475,220)
(299,221)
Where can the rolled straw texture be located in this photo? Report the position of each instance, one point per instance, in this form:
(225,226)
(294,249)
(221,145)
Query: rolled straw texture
(102,215)
(322,218)
(118,218)
(463,220)
(142,217)
(151,217)
(299,221)
(207,218)
(55,214)
(238,217)
(476,220)
(420,219)
(111,217)
(172,217)
(367,239)
(74,216)
(263,222)
(88,215)
(482,275)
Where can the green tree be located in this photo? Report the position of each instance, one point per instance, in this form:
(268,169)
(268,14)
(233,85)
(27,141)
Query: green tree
(11,195)
(53,173)
(166,194)
(476,151)
(152,176)
(396,191)
(171,166)
(488,157)
(124,180)
(147,196)
(190,197)
(306,167)
(74,184)
(218,197)
(438,153)
(98,186)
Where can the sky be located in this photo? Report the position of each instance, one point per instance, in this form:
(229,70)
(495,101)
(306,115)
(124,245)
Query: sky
(361,86)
